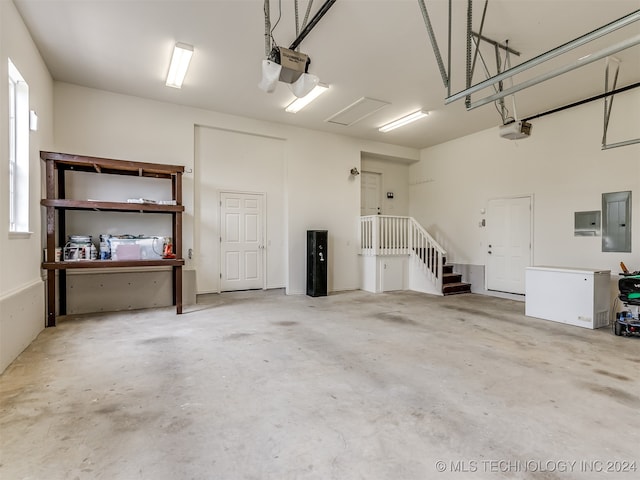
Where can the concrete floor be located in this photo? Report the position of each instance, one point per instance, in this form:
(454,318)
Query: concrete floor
(258,385)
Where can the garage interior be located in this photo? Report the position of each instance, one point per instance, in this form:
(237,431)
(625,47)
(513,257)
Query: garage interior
(353,385)
(435,343)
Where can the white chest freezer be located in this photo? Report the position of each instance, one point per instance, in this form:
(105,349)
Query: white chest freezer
(575,296)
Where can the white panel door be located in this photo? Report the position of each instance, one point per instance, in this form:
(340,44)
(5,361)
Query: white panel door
(509,244)
(370,193)
(241,241)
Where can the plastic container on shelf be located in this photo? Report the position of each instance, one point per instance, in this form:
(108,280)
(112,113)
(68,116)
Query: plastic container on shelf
(129,247)
(79,247)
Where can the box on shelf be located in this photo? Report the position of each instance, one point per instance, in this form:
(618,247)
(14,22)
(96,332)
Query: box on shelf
(57,255)
(148,201)
(127,247)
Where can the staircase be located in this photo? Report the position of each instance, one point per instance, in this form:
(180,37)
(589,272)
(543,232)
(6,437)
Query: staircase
(384,237)
(452,283)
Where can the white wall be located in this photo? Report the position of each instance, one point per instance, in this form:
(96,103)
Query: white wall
(240,162)
(395,178)
(319,192)
(561,164)
(20,277)
(91,122)
(322,195)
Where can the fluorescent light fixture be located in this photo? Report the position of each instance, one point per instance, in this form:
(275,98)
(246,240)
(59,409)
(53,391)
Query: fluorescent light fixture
(179,64)
(412,117)
(299,103)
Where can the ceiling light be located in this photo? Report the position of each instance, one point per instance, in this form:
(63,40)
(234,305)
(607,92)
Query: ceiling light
(412,117)
(300,103)
(179,64)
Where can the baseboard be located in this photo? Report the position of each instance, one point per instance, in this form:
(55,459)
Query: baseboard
(22,317)
(474,274)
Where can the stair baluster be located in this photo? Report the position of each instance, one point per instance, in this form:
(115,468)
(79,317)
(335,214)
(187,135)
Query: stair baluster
(392,235)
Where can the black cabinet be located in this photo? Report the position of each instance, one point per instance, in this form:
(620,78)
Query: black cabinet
(317,259)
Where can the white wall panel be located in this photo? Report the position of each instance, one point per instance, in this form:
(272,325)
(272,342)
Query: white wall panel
(304,174)
(239,162)
(21,289)
(395,179)
(561,165)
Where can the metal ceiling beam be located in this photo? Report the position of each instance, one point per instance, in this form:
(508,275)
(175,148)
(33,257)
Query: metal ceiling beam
(267,28)
(608,103)
(467,98)
(495,44)
(312,23)
(434,43)
(449,48)
(478,35)
(631,42)
(609,146)
(584,39)
(608,107)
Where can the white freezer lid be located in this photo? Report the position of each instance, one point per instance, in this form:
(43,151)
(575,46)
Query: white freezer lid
(592,271)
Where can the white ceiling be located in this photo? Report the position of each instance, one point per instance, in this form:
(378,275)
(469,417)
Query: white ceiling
(378,49)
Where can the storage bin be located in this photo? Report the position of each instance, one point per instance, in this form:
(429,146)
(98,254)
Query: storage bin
(136,248)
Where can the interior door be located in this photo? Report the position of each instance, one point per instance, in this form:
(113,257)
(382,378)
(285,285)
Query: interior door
(370,193)
(241,241)
(509,244)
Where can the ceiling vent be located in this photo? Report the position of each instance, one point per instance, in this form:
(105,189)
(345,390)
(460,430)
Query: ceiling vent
(357,111)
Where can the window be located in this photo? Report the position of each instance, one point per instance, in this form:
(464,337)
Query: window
(18,151)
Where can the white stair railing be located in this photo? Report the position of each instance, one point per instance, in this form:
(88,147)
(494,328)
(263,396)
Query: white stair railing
(385,235)
(391,235)
(428,255)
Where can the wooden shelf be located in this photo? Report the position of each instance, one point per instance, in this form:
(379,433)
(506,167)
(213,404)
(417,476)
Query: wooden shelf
(83,163)
(56,203)
(164,262)
(68,204)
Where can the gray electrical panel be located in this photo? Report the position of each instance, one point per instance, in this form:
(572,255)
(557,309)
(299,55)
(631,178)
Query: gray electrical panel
(586,224)
(616,222)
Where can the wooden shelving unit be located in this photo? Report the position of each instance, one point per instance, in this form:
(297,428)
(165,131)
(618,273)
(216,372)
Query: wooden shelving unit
(110,206)
(56,203)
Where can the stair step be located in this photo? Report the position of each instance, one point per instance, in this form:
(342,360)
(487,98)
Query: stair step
(451,277)
(447,269)
(455,288)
